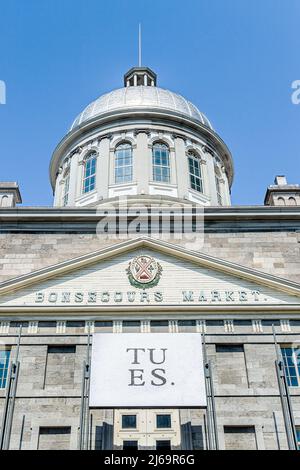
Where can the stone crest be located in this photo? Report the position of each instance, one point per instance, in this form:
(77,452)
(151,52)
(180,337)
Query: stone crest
(144,272)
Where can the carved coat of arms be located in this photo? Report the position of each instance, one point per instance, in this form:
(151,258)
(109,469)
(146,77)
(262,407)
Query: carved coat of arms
(144,272)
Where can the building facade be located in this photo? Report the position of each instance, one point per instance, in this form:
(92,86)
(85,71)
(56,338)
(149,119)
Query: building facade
(142,238)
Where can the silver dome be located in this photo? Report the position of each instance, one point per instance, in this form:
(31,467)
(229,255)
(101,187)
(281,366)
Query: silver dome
(140,97)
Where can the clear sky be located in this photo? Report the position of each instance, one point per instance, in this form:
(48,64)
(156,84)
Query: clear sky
(235,59)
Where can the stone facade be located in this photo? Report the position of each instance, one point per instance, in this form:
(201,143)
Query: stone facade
(241,350)
(63,279)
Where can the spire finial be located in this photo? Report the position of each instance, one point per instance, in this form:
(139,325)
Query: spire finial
(140,45)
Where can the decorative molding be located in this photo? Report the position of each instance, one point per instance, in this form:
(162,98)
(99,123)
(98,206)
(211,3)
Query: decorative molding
(206,149)
(179,136)
(228,326)
(141,131)
(61,326)
(257,326)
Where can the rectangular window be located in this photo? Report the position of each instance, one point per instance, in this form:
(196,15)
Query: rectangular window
(131,326)
(291,359)
(128,421)
(4,363)
(229,348)
(130,445)
(163,445)
(195,174)
(104,326)
(231,365)
(185,326)
(54,438)
(240,438)
(60,366)
(298,437)
(159,325)
(163,421)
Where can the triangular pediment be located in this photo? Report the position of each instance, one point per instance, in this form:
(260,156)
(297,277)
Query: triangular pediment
(178,278)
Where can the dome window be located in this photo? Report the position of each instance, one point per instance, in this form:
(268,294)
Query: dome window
(123,163)
(89,179)
(195,172)
(66,189)
(161,162)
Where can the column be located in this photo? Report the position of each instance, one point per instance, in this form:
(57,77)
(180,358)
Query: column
(102,177)
(73,179)
(142,162)
(182,169)
(211,177)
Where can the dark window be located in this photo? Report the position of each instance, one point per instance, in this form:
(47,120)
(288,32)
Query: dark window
(55,430)
(130,445)
(229,348)
(243,322)
(238,429)
(270,322)
(128,421)
(17,324)
(157,323)
(131,323)
(47,324)
(186,322)
(295,323)
(163,445)
(75,324)
(103,324)
(214,323)
(163,421)
(61,349)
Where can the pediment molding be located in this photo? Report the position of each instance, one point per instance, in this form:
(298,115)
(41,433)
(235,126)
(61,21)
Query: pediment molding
(200,259)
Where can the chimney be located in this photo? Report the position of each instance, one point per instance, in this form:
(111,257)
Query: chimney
(282,194)
(9,194)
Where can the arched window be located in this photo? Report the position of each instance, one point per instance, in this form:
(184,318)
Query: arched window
(195,172)
(66,188)
(292,201)
(123,163)
(161,162)
(281,201)
(89,178)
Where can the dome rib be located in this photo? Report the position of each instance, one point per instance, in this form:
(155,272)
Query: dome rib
(144,97)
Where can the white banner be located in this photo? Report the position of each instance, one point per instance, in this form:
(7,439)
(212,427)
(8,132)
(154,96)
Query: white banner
(147,370)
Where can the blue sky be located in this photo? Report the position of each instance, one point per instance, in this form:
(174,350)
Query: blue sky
(235,59)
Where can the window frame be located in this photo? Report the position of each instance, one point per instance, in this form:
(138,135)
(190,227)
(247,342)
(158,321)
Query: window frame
(123,178)
(160,166)
(298,436)
(295,365)
(158,415)
(129,446)
(195,158)
(125,415)
(92,156)
(219,191)
(4,371)
(163,447)
(66,188)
